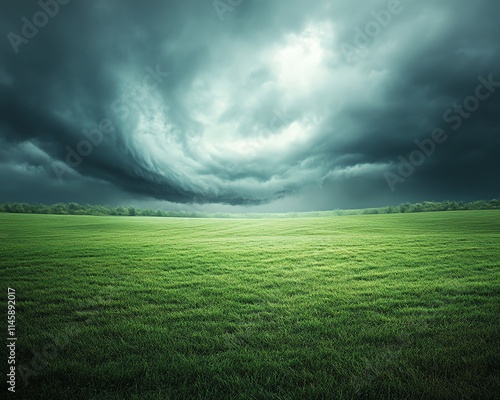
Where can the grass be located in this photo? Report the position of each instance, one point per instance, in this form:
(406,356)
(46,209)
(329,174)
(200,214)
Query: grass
(398,306)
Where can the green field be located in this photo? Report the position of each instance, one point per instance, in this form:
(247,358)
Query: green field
(401,306)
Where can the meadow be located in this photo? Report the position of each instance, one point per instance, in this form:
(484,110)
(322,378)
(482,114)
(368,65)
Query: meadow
(395,306)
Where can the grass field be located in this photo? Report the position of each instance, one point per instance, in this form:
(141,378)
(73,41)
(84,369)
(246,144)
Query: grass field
(402,306)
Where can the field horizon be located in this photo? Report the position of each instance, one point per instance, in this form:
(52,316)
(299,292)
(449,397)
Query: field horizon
(73,208)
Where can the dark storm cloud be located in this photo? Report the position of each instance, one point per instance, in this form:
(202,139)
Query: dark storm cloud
(246,102)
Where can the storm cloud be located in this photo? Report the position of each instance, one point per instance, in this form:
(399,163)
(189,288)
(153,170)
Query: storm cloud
(278,105)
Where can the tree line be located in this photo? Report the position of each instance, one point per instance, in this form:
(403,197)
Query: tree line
(88,209)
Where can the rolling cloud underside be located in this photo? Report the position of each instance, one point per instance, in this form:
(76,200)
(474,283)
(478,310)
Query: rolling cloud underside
(254,108)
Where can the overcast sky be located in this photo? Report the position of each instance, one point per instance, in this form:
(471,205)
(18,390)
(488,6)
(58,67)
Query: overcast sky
(252,105)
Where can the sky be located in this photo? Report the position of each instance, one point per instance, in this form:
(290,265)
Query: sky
(249,105)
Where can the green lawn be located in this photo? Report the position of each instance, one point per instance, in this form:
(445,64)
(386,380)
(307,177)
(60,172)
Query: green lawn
(401,306)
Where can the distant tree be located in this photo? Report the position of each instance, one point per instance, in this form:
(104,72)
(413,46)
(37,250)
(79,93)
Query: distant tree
(73,208)
(120,211)
(495,203)
(20,207)
(403,208)
(416,208)
(59,208)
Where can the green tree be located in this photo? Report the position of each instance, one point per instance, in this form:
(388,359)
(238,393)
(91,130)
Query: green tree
(120,211)
(403,208)
(59,208)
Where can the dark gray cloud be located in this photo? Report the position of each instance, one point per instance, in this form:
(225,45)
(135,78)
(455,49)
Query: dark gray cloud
(283,105)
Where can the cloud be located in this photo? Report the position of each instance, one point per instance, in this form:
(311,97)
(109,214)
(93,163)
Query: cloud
(258,108)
